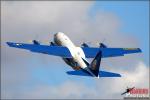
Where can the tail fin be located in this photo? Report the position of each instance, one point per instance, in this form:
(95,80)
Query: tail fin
(94,66)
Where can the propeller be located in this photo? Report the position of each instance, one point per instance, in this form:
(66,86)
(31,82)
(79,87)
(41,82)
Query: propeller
(52,44)
(85,44)
(100,44)
(37,42)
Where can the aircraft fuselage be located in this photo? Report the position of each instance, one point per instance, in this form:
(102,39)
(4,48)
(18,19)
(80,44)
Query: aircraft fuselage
(77,53)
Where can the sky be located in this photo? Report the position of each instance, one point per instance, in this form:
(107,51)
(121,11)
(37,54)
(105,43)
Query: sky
(134,15)
(26,75)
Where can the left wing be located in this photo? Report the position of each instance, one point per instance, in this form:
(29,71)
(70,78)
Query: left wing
(91,52)
(51,50)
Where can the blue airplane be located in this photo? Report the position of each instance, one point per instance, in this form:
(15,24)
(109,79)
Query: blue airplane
(76,56)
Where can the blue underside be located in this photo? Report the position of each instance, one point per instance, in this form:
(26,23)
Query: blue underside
(101,73)
(90,52)
(61,51)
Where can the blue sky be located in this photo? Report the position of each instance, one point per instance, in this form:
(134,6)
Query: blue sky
(23,71)
(134,16)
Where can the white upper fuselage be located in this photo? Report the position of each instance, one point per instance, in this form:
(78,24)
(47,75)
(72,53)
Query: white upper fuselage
(76,52)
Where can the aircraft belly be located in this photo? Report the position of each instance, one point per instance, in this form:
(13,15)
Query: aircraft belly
(76,52)
(72,63)
(77,55)
(76,67)
(80,62)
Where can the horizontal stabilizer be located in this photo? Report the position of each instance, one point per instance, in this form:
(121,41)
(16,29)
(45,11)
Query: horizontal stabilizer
(78,73)
(108,74)
(85,73)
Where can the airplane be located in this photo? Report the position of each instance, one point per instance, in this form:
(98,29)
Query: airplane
(127,90)
(76,57)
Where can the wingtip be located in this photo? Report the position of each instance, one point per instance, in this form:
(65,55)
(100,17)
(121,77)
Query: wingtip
(139,50)
(119,75)
(9,43)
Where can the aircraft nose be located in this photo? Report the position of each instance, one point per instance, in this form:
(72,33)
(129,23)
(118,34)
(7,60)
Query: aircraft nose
(57,37)
(59,34)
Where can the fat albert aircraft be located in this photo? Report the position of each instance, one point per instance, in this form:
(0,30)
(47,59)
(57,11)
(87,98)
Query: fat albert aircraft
(76,56)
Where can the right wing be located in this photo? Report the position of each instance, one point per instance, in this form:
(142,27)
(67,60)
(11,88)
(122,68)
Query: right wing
(51,50)
(90,52)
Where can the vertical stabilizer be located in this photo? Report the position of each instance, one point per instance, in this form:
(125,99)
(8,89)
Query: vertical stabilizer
(95,64)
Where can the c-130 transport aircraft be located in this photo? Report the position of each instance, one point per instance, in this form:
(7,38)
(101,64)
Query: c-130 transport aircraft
(76,56)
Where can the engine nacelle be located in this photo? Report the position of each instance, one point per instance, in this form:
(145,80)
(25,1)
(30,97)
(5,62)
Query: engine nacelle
(52,44)
(84,45)
(101,45)
(36,42)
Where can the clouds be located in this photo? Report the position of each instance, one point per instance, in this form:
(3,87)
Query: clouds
(47,16)
(103,88)
(29,19)
(66,90)
(23,21)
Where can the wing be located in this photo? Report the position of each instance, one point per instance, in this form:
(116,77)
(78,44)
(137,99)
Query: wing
(51,50)
(109,52)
